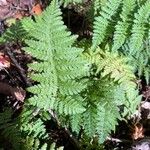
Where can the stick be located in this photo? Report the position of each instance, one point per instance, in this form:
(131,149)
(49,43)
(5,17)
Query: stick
(19,68)
(72,138)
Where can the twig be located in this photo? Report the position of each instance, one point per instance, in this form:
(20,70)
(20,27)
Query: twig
(71,137)
(118,140)
(14,61)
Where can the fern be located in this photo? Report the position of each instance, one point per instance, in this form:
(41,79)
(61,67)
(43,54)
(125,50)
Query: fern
(23,134)
(60,80)
(15,33)
(130,33)
(97,4)
(33,143)
(115,87)
(101,22)
(122,27)
(139,27)
(82,86)
(10,130)
(53,47)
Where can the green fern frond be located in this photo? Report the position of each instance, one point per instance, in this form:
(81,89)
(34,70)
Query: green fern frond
(102,106)
(90,120)
(14,33)
(76,123)
(108,115)
(102,22)
(71,106)
(97,5)
(115,66)
(10,129)
(122,27)
(30,125)
(23,132)
(139,28)
(132,29)
(61,63)
(34,143)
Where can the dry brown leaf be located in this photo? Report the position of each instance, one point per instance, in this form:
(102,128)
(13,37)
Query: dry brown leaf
(138,131)
(37,9)
(4,61)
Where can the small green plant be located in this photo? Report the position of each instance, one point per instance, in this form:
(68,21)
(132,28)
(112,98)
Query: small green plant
(87,85)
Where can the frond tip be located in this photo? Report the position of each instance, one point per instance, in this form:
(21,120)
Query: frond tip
(102,22)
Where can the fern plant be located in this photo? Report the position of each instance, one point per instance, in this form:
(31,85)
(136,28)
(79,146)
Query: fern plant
(84,85)
(62,79)
(21,133)
(131,32)
(69,88)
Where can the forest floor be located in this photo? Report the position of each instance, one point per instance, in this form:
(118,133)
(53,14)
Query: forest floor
(14,81)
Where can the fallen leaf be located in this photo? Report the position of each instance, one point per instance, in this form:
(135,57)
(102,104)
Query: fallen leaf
(4,61)
(138,131)
(37,9)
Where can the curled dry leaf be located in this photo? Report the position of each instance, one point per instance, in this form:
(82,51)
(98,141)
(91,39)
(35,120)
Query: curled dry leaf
(138,131)
(4,61)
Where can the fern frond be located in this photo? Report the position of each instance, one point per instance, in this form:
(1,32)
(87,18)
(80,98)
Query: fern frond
(9,129)
(114,66)
(97,5)
(122,26)
(24,132)
(139,28)
(34,143)
(90,120)
(76,121)
(14,33)
(30,125)
(108,115)
(71,106)
(61,63)
(102,22)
